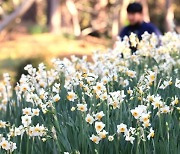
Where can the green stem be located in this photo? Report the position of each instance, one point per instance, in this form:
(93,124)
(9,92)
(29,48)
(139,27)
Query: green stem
(161,127)
(154,147)
(144,145)
(59,130)
(27,145)
(32,145)
(56,126)
(137,144)
(20,148)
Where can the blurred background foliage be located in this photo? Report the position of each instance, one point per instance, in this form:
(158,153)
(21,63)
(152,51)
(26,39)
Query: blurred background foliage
(33,31)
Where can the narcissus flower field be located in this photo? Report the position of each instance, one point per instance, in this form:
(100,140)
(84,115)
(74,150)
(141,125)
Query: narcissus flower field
(117,104)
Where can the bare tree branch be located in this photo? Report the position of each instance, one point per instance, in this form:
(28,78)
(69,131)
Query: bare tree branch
(19,11)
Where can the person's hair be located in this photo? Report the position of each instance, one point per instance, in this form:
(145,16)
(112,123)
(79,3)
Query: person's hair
(135,8)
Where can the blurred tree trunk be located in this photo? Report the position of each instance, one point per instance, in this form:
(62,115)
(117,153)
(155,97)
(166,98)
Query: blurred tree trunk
(66,20)
(169,16)
(48,11)
(40,12)
(123,12)
(99,21)
(120,17)
(19,11)
(74,13)
(145,10)
(31,13)
(115,19)
(55,16)
(99,18)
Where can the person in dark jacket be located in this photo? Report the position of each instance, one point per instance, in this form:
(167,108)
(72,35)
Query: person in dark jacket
(137,24)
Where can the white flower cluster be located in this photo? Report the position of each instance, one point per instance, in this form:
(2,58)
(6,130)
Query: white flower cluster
(7,145)
(142,86)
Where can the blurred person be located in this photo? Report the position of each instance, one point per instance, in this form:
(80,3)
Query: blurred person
(137,24)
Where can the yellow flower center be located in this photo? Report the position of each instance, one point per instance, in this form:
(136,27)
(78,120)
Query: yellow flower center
(115,104)
(99,127)
(56,99)
(176,101)
(94,139)
(99,87)
(4,145)
(135,114)
(122,129)
(99,117)
(157,104)
(145,119)
(37,129)
(152,134)
(170,82)
(152,77)
(89,119)
(82,108)
(146,124)
(24,89)
(26,112)
(41,96)
(103,135)
(69,97)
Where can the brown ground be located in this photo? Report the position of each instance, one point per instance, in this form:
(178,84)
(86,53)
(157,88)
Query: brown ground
(48,45)
(16,48)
